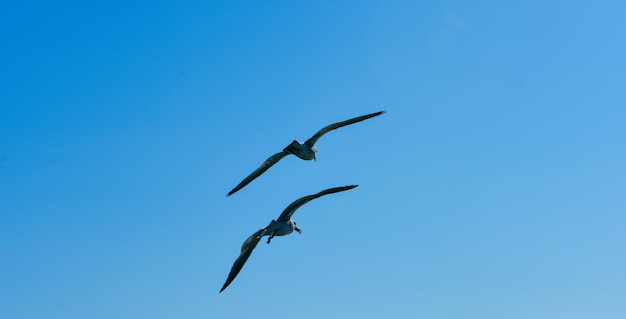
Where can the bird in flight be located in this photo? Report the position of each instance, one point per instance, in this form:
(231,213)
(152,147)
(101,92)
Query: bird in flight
(305,151)
(282,226)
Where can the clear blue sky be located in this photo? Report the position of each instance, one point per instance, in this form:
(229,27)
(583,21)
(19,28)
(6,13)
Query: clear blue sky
(493,187)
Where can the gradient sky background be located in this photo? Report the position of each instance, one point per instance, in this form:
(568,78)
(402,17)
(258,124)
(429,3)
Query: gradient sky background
(493,187)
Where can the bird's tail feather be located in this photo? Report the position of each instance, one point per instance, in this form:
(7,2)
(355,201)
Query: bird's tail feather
(292,148)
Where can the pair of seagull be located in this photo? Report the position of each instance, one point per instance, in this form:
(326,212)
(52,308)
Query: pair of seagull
(284,225)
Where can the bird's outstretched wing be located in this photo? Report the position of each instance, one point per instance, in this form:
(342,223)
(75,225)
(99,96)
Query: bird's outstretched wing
(291,209)
(264,167)
(337,125)
(246,251)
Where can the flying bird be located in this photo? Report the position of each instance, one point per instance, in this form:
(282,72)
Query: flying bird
(282,226)
(305,151)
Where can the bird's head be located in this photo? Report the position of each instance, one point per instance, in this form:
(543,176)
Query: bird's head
(296,228)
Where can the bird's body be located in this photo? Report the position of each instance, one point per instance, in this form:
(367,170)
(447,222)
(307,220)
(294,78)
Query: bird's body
(301,150)
(305,151)
(282,226)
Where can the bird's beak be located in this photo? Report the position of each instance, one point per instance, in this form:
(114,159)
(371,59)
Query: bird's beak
(314,159)
(298,230)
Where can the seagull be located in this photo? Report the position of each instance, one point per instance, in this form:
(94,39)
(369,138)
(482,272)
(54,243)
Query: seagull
(305,151)
(282,226)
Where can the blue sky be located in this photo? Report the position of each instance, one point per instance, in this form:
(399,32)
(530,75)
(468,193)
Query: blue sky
(493,187)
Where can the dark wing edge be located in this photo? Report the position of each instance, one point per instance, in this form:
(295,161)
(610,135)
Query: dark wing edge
(246,250)
(337,125)
(291,209)
(264,167)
